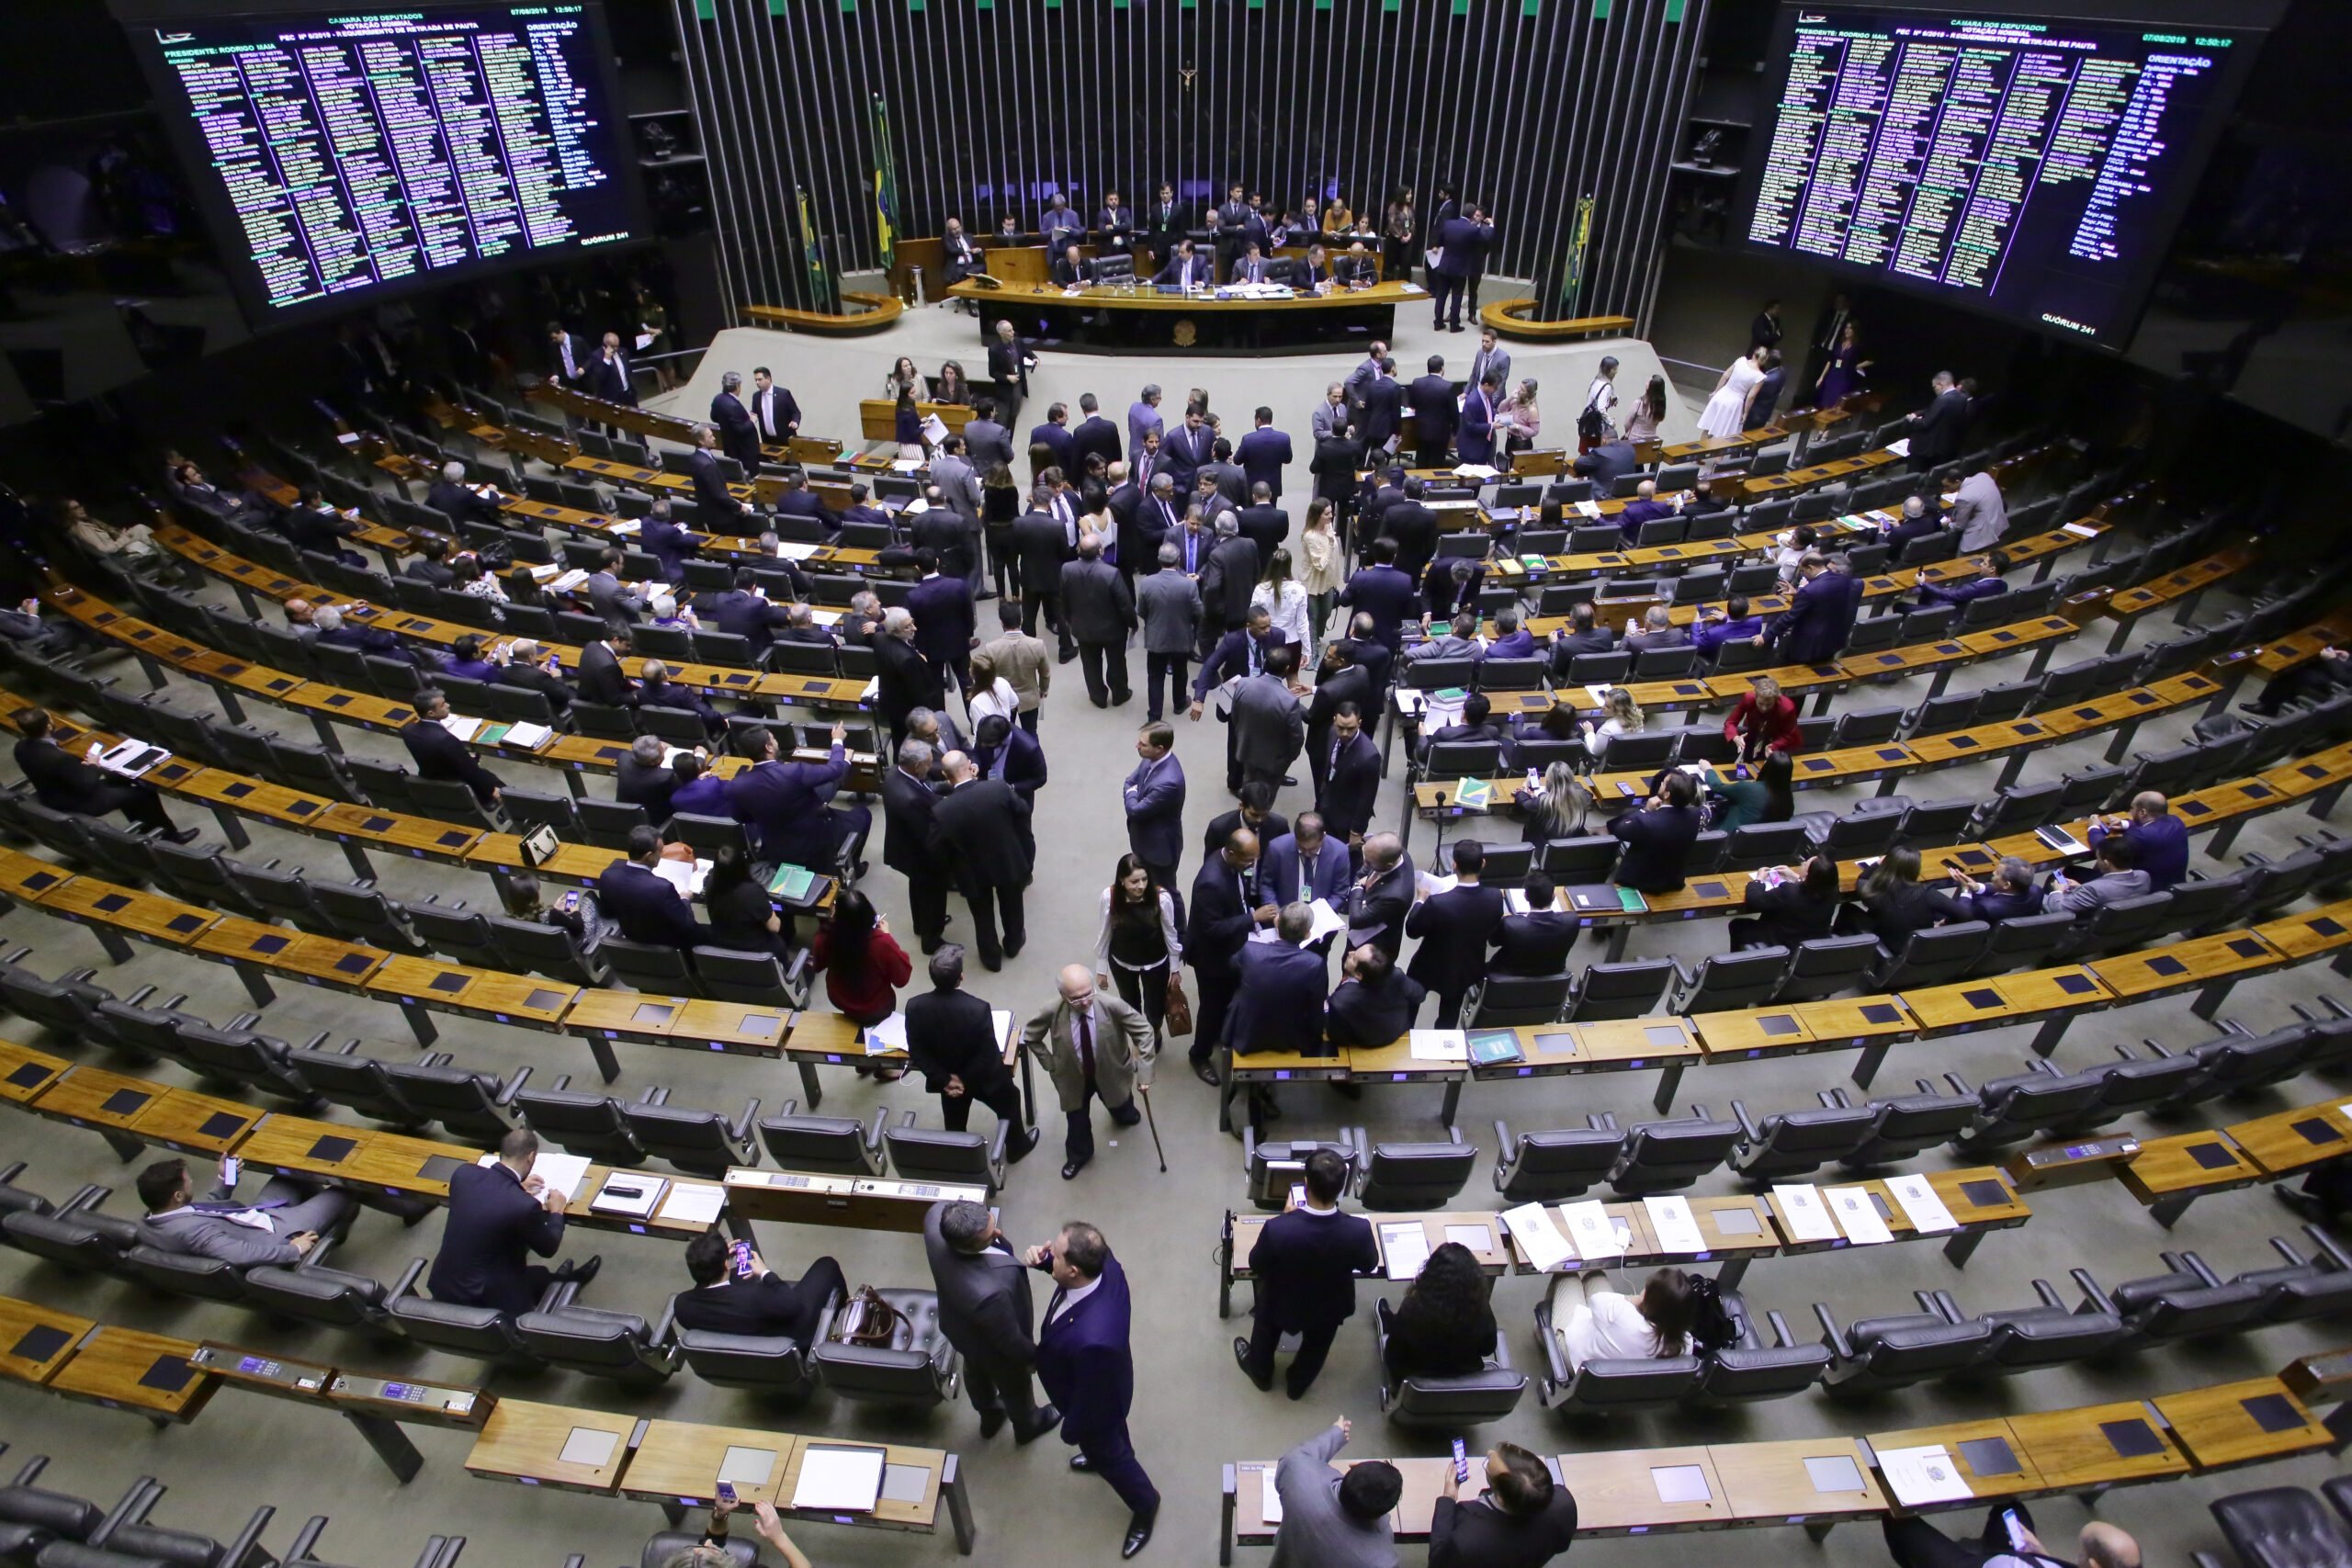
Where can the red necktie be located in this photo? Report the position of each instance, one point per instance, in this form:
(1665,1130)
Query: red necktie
(1086,1043)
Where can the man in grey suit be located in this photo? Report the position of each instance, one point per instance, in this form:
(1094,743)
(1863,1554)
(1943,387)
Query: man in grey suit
(281,1227)
(1100,612)
(1331,415)
(2117,877)
(608,595)
(1168,604)
(959,483)
(987,1312)
(1334,1518)
(1143,416)
(1269,729)
(1492,359)
(1227,582)
(988,442)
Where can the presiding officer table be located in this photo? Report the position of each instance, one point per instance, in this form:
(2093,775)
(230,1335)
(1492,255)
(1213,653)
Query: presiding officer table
(1113,318)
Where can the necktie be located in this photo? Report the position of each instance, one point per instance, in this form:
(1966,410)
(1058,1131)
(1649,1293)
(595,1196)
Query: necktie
(1257,655)
(1086,1043)
(1478,369)
(1192,547)
(568,368)
(1333,765)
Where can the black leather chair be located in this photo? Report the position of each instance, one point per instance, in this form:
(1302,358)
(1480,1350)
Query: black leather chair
(2282,1526)
(1490,1394)
(599,1343)
(1749,1370)
(312,1293)
(1664,1157)
(593,1126)
(918,1367)
(775,1366)
(1550,1167)
(1271,1169)
(2027,1339)
(1505,1001)
(829,1146)
(73,1235)
(1730,982)
(2190,1302)
(474,1108)
(1879,1353)
(32,1516)
(1908,1123)
(700,1143)
(1789,1143)
(1604,1386)
(1404,1177)
(935,1154)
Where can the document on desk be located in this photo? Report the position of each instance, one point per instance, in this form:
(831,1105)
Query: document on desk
(1404,1247)
(1857,1215)
(1269,1501)
(1903,449)
(1477,1239)
(890,1035)
(1592,1231)
(588,1446)
(1923,1475)
(1675,1227)
(694,1202)
(1531,1226)
(461,727)
(1439,1045)
(530,737)
(1587,509)
(839,1480)
(1920,1205)
(2080,530)
(1803,1212)
(793,549)
(562,1173)
(685,876)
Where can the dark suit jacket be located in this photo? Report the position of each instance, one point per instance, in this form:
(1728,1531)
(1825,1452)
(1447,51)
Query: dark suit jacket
(1478,1535)
(1198,273)
(908,679)
(978,824)
(602,679)
(1335,465)
(985,1305)
(1434,411)
(784,805)
(1265,527)
(1376,914)
(1384,409)
(1039,545)
(1387,594)
(1097,605)
(742,614)
(953,1034)
(441,755)
(783,414)
(737,436)
(1153,795)
(1058,439)
(1605,465)
(1227,582)
(635,784)
(1787,915)
(1285,882)
(493,1228)
(1454,927)
(1277,999)
(1024,763)
(459,505)
(770,1304)
(1262,453)
(1813,629)
(1182,450)
(1095,436)
(1218,921)
(609,380)
(941,606)
(909,805)
(1305,1266)
(1533,944)
(63,782)
(1221,828)
(1414,527)
(1084,1361)
(1349,788)
(1657,845)
(1993,906)
(1961,593)
(646,907)
(1361,1015)
(1351,683)
(1936,438)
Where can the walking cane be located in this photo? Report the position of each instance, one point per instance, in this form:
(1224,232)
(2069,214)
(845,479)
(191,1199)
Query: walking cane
(1153,1122)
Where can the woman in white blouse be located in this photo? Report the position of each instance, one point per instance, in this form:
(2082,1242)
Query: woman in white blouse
(1601,1324)
(474,582)
(989,692)
(1619,714)
(1283,597)
(1324,564)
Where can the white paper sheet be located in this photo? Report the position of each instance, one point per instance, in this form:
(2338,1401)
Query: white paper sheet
(686,877)
(1430,886)
(694,1202)
(1477,1239)
(1923,1475)
(589,1447)
(1920,1205)
(2080,530)
(562,1173)
(1439,1045)
(1803,1213)
(626,528)
(461,727)
(532,736)
(793,549)
(1589,509)
(1404,1247)
(1269,1501)
(1539,1238)
(934,429)
(1591,1230)
(1327,920)
(839,1480)
(1900,448)
(890,1035)
(1857,1215)
(1675,1227)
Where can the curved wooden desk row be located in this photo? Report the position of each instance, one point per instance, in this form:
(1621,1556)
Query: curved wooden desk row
(1821,1482)
(873,313)
(1517,318)
(674,1464)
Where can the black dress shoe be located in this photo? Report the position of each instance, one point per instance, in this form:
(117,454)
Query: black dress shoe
(987,962)
(1015,1153)
(1047,1419)
(2300,1203)
(581,1272)
(1288,779)
(1205,1073)
(1071,1167)
(1012,948)
(1264,1381)
(1138,1535)
(1080,1463)
(185,836)
(991,1423)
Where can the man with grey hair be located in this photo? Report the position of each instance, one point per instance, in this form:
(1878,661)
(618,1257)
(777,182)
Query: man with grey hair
(1227,582)
(1143,416)
(643,778)
(1099,611)
(1331,413)
(905,679)
(737,436)
(451,498)
(328,621)
(986,1309)
(1168,603)
(909,803)
(439,755)
(1656,629)
(1009,363)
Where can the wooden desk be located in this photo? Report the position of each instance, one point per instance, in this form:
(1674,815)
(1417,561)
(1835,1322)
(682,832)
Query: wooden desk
(1619,1492)
(2086,1449)
(828,1039)
(2209,966)
(734,1028)
(35,1340)
(105,1104)
(1984,1452)
(2294,1140)
(864,1202)
(123,1369)
(2168,1174)
(581,1210)
(25,1073)
(1802,1481)
(679,1464)
(523,1441)
(2054,996)
(196,1124)
(1098,316)
(941,1478)
(357,1159)
(2240,1423)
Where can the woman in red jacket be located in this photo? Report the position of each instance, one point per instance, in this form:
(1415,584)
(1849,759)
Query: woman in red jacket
(864,964)
(1764,721)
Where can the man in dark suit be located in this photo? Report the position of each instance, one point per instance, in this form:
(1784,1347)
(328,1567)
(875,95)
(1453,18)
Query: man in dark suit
(63,782)
(665,540)
(602,679)
(1991,568)
(1765,331)
(1185,448)
(1454,927)
(1351,769)
(1070,267)
(712,498)
(742,612)
(1767,397)
(647,907)
(985,1310)
(609,374)
(1040,544)
(1414,527)
(1431,398)
(1278,990)
(1255,812)
(1153,798)
(1224,908)
(1264,524)
(2158,839)
(1384,592)
(441,755)
(1185,269)
(1384,410)
(450,497)
(796,500)
(783,806)
(1263,454)
(643,779)
(909,805)
(1914,522)
(1814,628)
(756,1302)
(1382,897)
(1537,942)
(1523,1521)
(1165,221)
(906,679)
(499,1213)
(775,417)
(567,356)
(1462,242)
(1099,610)
(946,628)
(988,443)
(977,828)
(1087,1366)
(1657,835)
(1305,1264)
(1475,433)
(1339,679)
(1337,458)
(1265,726)
(737,436)
(1305,864)
(1055,436)
(1009,363)
(1935,430)
(1605,465)
(1094,437)
(2010,896)
(432,562)
(1375,1003)
(953,1040)
(1223,482)
(1227,582)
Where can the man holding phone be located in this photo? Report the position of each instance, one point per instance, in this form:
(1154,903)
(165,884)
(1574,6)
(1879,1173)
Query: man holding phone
(1524,1520)
(735,1293)
(712,1551)
(281,1227)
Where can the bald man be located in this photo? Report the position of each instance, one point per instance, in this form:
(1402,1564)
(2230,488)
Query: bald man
(2159,840)
(2008,1542)
(1093,1045)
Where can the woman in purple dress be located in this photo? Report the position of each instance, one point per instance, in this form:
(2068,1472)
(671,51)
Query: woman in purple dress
(1846,374)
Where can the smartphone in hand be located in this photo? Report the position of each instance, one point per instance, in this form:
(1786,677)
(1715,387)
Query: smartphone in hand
(727,1492)
(1461,1464)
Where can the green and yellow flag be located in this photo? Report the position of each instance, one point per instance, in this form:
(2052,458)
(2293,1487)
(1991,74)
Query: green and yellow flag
(813,252)
(886,185)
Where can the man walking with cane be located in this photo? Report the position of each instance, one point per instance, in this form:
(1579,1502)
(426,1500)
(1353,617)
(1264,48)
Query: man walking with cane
(1093,1045)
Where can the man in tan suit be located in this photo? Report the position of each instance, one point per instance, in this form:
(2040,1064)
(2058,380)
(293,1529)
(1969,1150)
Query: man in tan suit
(1090,1044)
(1025,661)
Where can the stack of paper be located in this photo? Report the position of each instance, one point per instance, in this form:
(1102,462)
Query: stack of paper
(1269,1501)
(1920,1205)
(1587,509)
(1539,1239)
(1327,920)
(565,582)
(460,726)
(839,1480)
(688,878)
(625,527)
(1803,1212)
(694,1202)
(1918,1476)
(533,736)
(562,1173)
(1404,1247)
(793,550)
(890,1035)
(1591,1230)
(1439,1045)
(1901,449)
(1476,471)
(1857,1215)
(1429,887)
(1675,1226)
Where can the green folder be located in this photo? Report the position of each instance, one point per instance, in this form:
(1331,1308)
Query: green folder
(490,734)
(1495,1047)
(1474,791)
(792,883)
(1635,904)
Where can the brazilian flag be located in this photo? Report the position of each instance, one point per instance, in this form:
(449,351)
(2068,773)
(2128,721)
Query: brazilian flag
(815,254)
(886,187)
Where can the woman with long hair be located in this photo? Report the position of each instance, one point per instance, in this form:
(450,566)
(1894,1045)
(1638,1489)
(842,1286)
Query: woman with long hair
(1000,509)
(1445,1325)
(1649,411)
(988,692)
(1845,373)
(1767,797)
(1138,948)
(952,387)
(1283,597)
(906,425)
(903,378)
(1619,714)
(1726,415)
(1325,576)
(741,918)
(1788,905)
(1553,810)
(1895,903)
(575,913)
(1611,1326)
(863,966)
(1396,232)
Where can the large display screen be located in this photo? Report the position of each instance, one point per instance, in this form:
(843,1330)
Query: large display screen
(344,157)
(2030,166)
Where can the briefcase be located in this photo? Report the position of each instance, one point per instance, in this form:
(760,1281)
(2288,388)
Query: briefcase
(539,845)
(1177,1016)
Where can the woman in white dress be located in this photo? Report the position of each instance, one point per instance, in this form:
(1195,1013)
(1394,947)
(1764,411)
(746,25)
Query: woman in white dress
(989,692)
(1283,597)
(1595,1321)
(1727,413)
